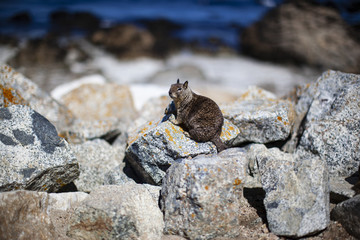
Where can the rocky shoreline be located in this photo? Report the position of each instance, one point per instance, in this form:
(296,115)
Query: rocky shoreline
(102,169)
(86,153)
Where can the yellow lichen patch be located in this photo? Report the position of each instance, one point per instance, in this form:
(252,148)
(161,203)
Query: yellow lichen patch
(245,95)
(237,182)
(142,132)
(206,188)
(228,131)
(179,130)
(11,96)
(168,134)
(280,119)
(193,215)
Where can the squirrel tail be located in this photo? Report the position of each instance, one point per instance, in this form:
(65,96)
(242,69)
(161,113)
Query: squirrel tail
(220,146)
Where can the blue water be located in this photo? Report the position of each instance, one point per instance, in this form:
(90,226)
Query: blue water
(201,18)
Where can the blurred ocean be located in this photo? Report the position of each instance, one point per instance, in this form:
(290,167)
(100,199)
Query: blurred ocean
(201,19)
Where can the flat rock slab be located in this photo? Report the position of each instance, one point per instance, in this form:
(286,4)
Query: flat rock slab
(33,156)
(297,190)
(156,145)
(23,216)
(16,89)
(117,212)
(260,120)
(332,125)
(36,215)
(202,198)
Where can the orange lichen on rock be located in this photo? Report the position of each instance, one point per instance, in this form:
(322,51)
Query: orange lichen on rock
(168,134)
(142,132)
(237,181)
(228,131)
(11,96)
(280,119)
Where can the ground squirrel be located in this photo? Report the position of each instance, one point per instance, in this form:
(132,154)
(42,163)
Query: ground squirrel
(199,116)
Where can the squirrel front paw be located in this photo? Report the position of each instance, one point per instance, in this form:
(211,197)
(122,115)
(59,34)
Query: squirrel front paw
(187,134)
(173,120)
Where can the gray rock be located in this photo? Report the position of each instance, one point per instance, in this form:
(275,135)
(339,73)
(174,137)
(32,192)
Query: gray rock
(117,212)
(332,125)
(156,145)
(86,130)
(154,191)
(101,101)
(348,214)
(16,89)
(202,198)
(23,216)
(104,110)
(305,32)
(64,201)
(36,215)
(96,159)
(60,208)
(297,190)
(152,109)
(33,156)
(340,189)
(116,176)
(260,119)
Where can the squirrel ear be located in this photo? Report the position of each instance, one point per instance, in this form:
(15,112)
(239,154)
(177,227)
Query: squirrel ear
(186,84)
(178,81)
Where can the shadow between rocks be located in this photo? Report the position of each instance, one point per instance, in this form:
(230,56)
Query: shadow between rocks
(255,197)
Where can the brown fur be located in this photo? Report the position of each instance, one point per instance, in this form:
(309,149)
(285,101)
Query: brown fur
(200,116)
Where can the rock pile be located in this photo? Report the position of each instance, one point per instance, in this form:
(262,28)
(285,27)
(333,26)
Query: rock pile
(100,176)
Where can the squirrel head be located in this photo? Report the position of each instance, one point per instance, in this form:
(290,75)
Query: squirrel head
(179,91)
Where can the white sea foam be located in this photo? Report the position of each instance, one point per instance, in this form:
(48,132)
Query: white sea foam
(233,74)
(143,92)
(63,89)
